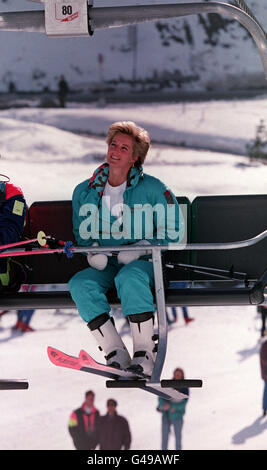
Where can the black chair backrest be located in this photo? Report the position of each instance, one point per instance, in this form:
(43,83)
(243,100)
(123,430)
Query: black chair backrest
(222,219)
(55,219)
(209,219)
(176,256)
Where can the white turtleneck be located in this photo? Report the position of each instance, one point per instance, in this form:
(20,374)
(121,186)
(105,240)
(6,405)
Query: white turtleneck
(113,197)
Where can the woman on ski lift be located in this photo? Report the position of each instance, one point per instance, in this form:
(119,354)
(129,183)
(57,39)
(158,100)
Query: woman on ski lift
(121,205)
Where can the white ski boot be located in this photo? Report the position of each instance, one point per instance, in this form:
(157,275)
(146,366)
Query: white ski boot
(109,341)
(142,328)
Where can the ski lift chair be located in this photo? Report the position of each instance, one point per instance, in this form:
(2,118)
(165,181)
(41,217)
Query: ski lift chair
(224,259)
(249,259)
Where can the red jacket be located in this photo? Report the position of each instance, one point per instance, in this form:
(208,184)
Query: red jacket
(82,428)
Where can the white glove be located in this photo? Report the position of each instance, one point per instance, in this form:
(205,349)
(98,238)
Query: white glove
(97,260)
(126,257)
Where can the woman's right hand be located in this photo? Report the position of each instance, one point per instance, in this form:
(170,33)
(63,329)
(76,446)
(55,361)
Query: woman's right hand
(97,260)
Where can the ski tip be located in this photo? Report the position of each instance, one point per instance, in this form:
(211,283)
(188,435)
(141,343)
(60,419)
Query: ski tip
(62,359)
(83,356)
(52,353)
(86,360)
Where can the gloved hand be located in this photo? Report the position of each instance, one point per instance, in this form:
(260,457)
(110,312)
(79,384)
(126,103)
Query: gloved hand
(126,257)
(97,260)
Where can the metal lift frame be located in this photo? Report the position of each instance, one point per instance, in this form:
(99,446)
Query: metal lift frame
(156,251)
(114,17)
(109,17)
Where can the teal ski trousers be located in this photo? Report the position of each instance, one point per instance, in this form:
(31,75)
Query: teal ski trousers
(134,283)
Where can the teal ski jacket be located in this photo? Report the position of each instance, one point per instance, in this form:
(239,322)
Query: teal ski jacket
(150,211)
(176,410)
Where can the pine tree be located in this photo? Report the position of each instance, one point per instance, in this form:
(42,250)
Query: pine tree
(258,147)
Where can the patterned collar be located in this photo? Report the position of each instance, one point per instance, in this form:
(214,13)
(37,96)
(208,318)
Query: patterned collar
(100,176)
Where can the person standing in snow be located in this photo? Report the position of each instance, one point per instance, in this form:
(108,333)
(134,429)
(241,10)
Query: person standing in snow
(63,90)
(83,424)
(172,414)
(113,429)
(262,309)
(23,320)
(174,318)
(24,316)
(12,220)
(106,211)
(263,366)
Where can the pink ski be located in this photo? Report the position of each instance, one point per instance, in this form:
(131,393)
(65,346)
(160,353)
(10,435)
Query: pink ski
(86,363)
(120,378)
(89,363)
(62,359)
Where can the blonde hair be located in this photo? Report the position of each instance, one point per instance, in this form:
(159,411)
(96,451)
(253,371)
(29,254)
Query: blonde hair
(140,137)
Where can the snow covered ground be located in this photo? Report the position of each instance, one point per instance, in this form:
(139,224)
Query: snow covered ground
(41,154)
(38,151)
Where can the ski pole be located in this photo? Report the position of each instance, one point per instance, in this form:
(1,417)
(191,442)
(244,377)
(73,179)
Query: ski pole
(22,252)
(69,250)
(41,239)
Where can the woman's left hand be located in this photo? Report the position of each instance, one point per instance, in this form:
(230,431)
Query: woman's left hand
(126,257)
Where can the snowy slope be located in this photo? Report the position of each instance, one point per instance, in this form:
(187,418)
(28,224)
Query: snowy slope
(220,347)
(216,125)
(195,52)
(35,143)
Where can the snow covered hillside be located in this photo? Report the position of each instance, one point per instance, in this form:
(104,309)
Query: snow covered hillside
(203,52)
(35,143)
(220,346)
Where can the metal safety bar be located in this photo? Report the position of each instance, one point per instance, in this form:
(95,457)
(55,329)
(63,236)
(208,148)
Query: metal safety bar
(176,246)
(159,282)
(156,250)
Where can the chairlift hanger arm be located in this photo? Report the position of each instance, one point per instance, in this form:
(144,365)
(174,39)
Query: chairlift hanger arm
(111,17)
(23,21)
(177,246)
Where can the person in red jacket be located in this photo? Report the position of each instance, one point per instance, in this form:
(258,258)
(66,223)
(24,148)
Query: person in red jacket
(113,431)
(82,424)
(12,220)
